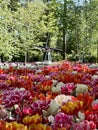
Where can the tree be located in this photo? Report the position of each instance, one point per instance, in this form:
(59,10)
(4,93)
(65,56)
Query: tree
(6,37)
(30,25)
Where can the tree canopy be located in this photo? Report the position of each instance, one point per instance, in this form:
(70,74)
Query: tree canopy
(73,27)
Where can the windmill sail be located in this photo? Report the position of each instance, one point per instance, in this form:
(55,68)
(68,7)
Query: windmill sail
(47,50)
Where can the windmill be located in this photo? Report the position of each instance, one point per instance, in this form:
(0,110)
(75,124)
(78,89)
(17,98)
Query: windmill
(46,49)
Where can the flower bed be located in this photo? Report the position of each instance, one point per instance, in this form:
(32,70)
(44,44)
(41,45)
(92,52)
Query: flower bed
(58,97)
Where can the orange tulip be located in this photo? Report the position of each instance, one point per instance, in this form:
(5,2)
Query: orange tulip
(28,120)
(39,127)
(15,126)
(2,125)
(72,108)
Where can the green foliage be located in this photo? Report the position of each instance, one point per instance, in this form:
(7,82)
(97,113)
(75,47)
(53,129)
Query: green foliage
(25,25)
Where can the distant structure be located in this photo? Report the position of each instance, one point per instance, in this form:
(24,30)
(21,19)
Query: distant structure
(47,59)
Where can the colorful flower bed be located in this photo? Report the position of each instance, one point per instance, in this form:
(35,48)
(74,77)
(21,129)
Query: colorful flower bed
(57,97)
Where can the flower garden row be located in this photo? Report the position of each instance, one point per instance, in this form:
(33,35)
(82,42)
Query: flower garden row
(57,97)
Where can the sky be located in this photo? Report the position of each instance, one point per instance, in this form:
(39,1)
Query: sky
(79,2)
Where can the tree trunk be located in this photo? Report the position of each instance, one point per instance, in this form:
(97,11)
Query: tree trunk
(64,29)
